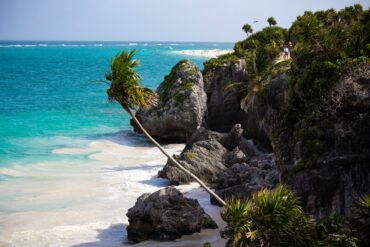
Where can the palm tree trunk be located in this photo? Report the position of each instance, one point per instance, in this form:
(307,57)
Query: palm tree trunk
(172,159)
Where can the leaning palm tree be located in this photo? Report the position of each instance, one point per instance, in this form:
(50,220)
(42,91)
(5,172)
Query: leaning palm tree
(125,88)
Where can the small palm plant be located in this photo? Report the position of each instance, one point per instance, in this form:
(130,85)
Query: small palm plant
(125,88)
(269,218)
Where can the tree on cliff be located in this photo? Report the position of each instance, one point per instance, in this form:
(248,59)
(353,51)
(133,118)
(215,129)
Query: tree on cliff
(271,20)
(125,88)
(247,29)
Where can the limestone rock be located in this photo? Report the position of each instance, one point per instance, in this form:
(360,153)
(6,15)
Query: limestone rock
(259,112)
(327,161)
(182,105)
(166,215)
(224,105)
(241,180)
(205,159)
(206,154)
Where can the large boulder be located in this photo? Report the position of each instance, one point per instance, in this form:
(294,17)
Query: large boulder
(166,215)
(206,154)
(327,160)
(224,105)
(205,159)
(182,105)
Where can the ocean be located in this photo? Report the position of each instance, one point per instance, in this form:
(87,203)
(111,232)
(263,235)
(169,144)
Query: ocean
(70,165)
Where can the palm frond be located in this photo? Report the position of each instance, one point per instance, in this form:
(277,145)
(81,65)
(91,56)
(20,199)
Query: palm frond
(126,86)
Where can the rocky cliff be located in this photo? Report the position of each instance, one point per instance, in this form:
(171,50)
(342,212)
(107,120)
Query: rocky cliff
(326,160)
(224,105)
(182,105)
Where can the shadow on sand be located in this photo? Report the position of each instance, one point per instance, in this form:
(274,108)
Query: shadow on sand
(113,236)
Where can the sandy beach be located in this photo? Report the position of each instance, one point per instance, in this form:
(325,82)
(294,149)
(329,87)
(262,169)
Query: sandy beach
(84,203)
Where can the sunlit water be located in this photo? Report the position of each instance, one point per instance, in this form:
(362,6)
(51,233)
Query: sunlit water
(70,166)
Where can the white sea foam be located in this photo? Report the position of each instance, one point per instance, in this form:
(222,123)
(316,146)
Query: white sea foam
(69,202)
(6,46)
(203,53)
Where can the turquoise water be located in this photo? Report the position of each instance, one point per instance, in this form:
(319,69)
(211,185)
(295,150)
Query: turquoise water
(70,165)
(48,97)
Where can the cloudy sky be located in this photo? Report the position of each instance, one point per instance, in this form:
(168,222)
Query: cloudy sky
(148,20)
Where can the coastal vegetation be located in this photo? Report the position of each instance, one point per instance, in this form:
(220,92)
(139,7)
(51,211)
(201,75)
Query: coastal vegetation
(324,45)
(268,218)
(125,89)
(275,218)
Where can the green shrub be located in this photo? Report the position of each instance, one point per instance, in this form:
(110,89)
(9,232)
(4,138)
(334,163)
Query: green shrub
(212,64)
(269,218)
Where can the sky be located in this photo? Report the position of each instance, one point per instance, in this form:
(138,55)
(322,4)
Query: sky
(148,20)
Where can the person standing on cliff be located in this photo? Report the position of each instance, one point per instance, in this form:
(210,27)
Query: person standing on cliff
(286,52)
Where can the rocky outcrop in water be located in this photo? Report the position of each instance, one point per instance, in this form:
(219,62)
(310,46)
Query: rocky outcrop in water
(224,105)
(182,105)
(166,215)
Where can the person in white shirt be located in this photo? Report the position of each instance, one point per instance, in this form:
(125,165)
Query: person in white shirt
(286,52)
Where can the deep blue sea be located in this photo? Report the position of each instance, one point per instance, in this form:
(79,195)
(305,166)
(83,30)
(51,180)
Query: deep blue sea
(70,165)
(48,91)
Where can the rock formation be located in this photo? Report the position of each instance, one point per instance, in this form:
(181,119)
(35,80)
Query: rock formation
(182,105)
(224,105)
(206,155)
(241,180)
(166,215)
(327,162)
(260,110)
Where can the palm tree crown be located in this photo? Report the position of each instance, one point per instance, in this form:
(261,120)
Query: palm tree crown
(247,29)
(125,87)
(271,20)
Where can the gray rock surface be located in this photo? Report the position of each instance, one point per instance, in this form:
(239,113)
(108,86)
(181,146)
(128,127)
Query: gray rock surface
(166,215)
(259,112)
(205,159)
(182,105)
(206,154)
(327,161)
(241,180)
(224,105)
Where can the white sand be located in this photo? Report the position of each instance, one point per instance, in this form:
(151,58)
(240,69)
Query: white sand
(84,203)
(204,53)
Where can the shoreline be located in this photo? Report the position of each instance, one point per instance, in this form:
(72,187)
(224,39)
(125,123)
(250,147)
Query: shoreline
(204,53)
(89,206)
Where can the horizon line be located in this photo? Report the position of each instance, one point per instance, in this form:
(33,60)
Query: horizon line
(139,41)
